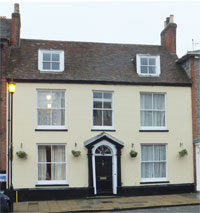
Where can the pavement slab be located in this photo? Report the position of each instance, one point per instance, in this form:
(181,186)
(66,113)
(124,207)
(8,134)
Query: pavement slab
(107,204)
(33,207)
(43,206)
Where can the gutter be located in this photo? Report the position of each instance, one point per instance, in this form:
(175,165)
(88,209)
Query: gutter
(189,84)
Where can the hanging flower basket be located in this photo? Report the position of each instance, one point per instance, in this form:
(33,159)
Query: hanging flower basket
(22,154)
(183,152)
(133,153)
(76,153)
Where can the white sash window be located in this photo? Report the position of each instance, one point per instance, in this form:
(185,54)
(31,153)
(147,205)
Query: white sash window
(153,163)
(152,111)
(102,110)
(51,164)
(51,109)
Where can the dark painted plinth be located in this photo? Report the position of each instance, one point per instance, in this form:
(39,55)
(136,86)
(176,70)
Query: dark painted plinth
(155,189)
(42,194)
(52,194)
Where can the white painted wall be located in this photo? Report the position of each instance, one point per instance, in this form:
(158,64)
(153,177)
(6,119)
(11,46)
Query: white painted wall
(79,124)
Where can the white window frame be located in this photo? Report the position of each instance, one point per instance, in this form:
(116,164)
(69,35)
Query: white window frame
(154,179)
(154,127)
(156,57)
(103,127)
(52,182)
(50,126)
(51,51)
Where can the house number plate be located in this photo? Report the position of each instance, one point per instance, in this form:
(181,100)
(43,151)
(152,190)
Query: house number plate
(103,178)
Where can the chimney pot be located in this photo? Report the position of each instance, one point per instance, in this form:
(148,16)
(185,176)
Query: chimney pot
(171,19)
(167,20)
(3,17)
(16,8)
(165,24)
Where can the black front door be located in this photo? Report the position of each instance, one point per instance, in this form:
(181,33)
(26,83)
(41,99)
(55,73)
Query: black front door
(104,174)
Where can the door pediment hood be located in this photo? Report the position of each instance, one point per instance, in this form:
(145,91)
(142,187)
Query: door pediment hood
(103,136)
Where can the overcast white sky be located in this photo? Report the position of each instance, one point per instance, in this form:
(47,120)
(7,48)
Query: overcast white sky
(108,21)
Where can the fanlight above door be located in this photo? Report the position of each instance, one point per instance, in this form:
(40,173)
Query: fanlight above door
(103,150)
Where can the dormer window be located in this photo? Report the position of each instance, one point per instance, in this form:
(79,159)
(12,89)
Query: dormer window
(51,60)
(148,65)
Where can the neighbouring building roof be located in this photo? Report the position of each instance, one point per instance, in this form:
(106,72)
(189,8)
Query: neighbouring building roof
(188,55)
(94,63)
(5,28)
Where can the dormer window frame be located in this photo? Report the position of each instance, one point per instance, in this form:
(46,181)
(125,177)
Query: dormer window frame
(50,61)
(148,57)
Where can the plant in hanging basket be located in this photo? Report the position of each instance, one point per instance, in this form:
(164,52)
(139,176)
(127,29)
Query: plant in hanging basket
(21,154)
(76,153)
(183,152)
(133,153)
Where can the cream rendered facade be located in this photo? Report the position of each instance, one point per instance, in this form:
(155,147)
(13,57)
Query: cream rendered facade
(126,102)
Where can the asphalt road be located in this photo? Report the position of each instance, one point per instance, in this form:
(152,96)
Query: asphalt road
(175,209)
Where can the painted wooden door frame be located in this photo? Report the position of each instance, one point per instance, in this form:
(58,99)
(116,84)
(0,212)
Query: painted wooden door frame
(114,165)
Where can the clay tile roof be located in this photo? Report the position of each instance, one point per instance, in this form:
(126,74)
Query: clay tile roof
(94,62)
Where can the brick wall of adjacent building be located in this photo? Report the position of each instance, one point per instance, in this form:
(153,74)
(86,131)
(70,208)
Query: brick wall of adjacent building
(192,68)
(2,125)
(3,94)
(3,108)
(9,35)
(9,38)
(197,88)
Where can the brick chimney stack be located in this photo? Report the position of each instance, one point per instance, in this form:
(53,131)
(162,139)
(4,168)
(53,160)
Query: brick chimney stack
(168,35)
(15,26)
